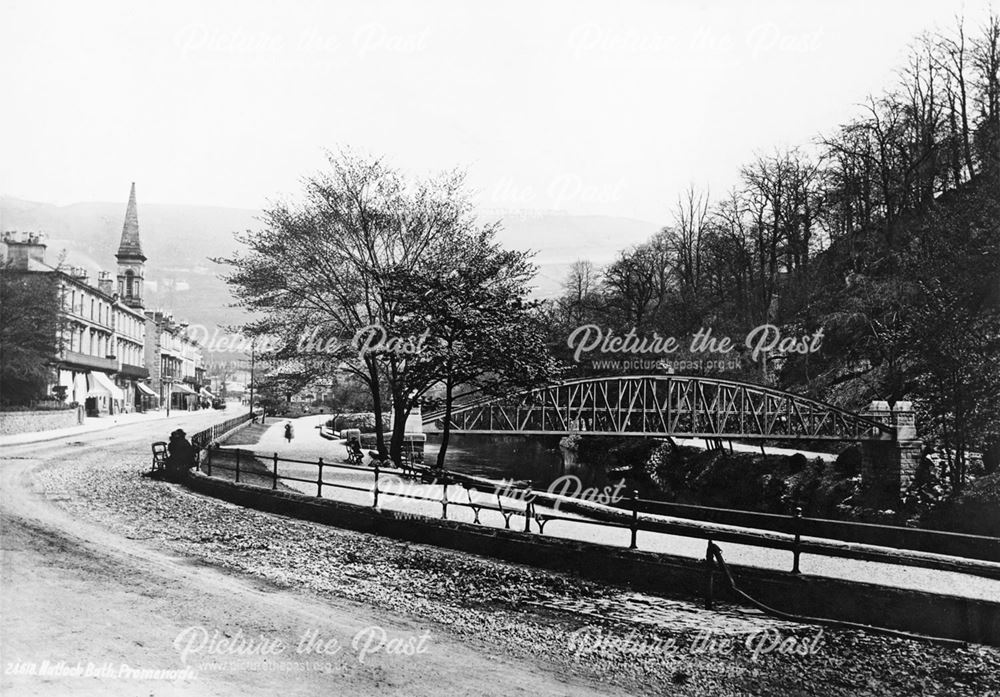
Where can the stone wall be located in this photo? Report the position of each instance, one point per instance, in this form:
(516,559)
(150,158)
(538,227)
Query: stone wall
(888,466)
(12,422)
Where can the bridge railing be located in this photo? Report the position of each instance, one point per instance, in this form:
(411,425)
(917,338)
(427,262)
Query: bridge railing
(661,405)
(533,511)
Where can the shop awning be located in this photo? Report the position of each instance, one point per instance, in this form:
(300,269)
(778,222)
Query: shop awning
(181,388)
(79,394)
(141,386)
(101,384)
(206,393)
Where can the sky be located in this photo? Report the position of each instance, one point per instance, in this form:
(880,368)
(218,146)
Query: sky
(593,108)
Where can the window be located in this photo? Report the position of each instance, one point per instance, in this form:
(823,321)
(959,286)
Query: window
(129,284)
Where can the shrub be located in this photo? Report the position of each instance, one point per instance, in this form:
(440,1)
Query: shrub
(364,421)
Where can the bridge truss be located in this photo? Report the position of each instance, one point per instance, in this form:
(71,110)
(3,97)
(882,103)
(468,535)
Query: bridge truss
(661,405)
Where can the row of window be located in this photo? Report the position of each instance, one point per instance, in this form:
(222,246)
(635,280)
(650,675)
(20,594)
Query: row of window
(101,312)
(94,342)
(131,326)
(130,353)
(87,340)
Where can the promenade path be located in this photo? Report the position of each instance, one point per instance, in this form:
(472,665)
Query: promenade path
(307,444)
(93,424)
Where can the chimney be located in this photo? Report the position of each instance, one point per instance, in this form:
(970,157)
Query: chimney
(22,248)
(80,274)
(105,284)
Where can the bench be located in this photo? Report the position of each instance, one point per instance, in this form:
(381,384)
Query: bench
(355,457)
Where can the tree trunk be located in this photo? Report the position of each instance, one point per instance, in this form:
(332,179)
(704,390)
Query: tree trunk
(400,411)
(446,430)
(376,391)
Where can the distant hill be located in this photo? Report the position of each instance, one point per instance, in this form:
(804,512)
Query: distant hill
(179,240)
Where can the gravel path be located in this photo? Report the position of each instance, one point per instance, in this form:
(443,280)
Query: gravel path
(610,638)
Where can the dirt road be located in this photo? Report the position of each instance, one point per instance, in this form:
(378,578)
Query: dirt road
(78,598)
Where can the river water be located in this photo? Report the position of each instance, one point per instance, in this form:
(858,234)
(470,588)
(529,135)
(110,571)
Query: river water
(532,459)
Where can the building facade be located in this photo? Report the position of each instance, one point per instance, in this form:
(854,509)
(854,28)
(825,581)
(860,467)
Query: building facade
(99,360)
(114,356)
(176,362)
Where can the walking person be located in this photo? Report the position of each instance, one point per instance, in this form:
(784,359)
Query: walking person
(289,434)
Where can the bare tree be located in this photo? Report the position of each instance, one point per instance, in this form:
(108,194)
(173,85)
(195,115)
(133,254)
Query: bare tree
(953,58)
(687,236)
(321,271)
(581,284)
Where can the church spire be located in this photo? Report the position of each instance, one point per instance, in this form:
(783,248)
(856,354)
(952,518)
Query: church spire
(131,260)
(130,248)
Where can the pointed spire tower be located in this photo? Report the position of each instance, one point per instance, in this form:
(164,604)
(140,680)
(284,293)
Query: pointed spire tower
(131,260)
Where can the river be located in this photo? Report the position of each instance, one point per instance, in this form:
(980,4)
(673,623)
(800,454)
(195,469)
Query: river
(533,459)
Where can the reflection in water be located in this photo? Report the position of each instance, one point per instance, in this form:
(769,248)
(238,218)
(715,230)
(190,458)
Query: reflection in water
(533,459)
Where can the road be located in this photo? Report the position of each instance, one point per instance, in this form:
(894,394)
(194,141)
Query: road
(76,595)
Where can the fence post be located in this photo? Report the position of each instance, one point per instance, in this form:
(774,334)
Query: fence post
(527,509)
(709,580)
(444,501)
(375,490)
(798,537)
(319,480)
(635,517)
(208,462)
(237,465)
(274,480)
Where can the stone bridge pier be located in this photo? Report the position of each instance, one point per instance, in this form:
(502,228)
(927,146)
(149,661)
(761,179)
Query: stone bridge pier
(889,465)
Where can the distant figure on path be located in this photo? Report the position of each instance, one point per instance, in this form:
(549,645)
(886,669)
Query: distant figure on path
(289,434)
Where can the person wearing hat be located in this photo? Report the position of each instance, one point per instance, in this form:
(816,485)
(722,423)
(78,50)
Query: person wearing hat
(181,454)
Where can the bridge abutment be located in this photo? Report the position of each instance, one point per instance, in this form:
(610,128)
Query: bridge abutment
(889,465)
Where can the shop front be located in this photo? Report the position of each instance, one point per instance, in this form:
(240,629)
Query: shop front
(183,397)
(145,397)
(103,395)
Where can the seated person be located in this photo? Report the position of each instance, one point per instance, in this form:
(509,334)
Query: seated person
(181,454)
(354,450)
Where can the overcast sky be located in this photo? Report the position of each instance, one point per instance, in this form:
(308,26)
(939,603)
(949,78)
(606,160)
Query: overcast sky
(588,107)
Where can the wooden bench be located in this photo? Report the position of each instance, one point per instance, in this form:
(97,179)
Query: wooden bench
(355,457)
